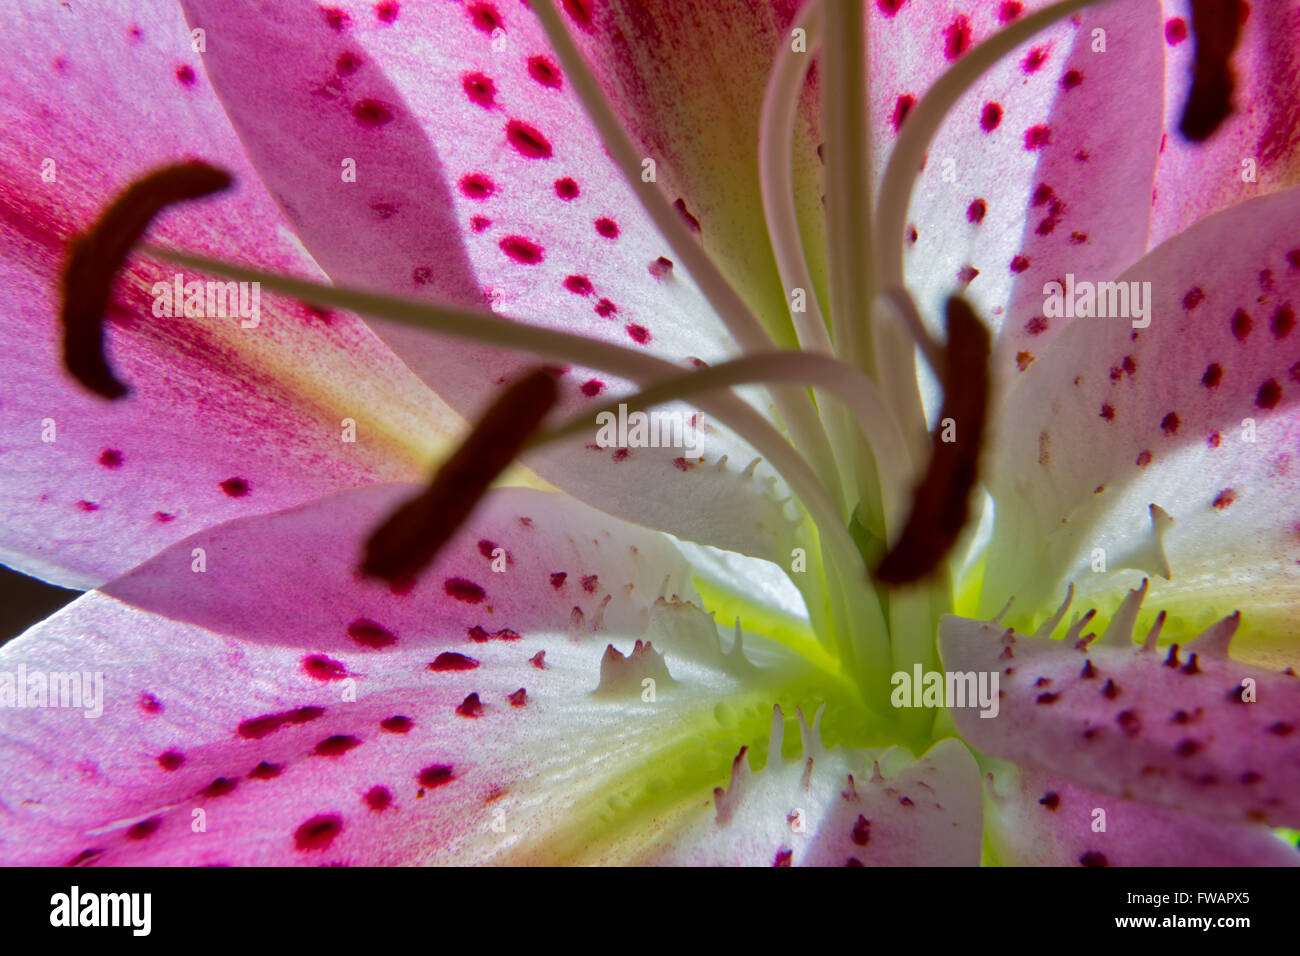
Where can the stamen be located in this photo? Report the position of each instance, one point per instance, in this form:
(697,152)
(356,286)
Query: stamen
(411,537)
(97,256)
(776,175)
(941,506)
(924,120)
(1217,27)
(848,190)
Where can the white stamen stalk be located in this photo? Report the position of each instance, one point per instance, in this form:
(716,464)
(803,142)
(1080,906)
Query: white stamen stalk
(776,175)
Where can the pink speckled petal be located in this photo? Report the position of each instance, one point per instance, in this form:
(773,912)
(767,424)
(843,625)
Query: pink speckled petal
(1188,728)
(223,420)
(314,717)
(1195,414)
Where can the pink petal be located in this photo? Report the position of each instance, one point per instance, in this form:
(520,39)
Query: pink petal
(1035,819)
(224,421)
(1194,180)
(1159,726)
(1010,196)
(467,161)
(319,718)
(924,812)
(1114,418)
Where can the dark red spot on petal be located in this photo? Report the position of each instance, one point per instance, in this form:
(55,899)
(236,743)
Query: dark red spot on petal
(150,704)
(541,69)
(336,746)
(1019,264)
(592,387)
(1038,136)
(1071,79)
(607,227)
(236,487)
(518,698)
(451,661)
(639,333)
(378,798)
(579,12)
(258,727)
(265,771)
(1269,394)
(471,706)
(1283,321)
(477,186)
(347,63)
(480,89)
(185,75)
(527,140)
(1034,60)
(956,37)
(371,634)
(145,828)
(692,223)
(1193,298)
(171,760)
(386,12)
(1037,325)
(1175,31)
(1143,459)
(463,590)
(990,117)
(1213,375)
(605,308)
(479,223)
(522,250)
(1169,424)
(579,285)
(318,832)
(219,787)
(1108,412)
(1224,498)
(976,211)
(661,267)
(397,724)
(435,775)
(566,189)
(1242,324)
(1050,800)
(485,18)
(320,667)
(1009,10)
(901,108)
(890,7)
(372,113)
(1093,858)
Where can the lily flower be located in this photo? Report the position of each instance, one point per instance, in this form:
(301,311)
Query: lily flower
(863,256)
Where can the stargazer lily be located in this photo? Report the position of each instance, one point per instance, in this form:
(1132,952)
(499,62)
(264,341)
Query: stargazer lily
(826,233)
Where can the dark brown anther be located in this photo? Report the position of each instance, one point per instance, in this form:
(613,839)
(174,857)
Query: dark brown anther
(411,537)
(941,503)
(1217,27)
(95,258)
